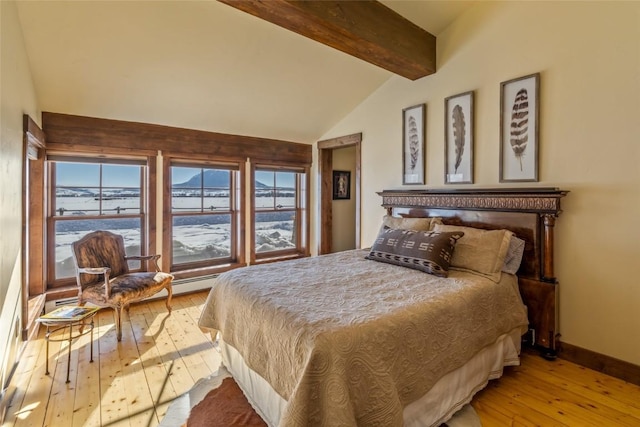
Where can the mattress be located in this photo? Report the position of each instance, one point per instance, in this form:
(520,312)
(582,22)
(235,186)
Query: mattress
(446,397)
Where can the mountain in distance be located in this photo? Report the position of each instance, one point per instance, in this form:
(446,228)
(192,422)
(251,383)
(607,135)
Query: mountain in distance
(212,179)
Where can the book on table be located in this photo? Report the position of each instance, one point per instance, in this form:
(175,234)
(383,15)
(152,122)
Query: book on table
(69,314)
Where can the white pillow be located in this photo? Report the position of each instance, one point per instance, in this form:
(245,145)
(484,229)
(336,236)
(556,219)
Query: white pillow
(513,259)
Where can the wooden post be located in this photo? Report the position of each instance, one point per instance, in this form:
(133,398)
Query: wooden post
(548,274)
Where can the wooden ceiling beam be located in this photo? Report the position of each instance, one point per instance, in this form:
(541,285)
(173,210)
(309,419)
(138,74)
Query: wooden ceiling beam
(365,29)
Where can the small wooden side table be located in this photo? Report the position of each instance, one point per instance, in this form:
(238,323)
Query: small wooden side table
(68,317)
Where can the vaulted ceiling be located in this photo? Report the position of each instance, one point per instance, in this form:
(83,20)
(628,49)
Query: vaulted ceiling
(200,65)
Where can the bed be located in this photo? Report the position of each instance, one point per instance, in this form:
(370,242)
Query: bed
(347,339)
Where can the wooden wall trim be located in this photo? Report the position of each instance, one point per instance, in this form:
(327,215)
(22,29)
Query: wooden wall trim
(538,200)
(599,362)
(325,166)
(358,195)
(36,226)
(76,133)
(341,141)
(32,132)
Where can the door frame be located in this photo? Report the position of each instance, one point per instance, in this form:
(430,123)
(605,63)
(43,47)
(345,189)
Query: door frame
(325,187)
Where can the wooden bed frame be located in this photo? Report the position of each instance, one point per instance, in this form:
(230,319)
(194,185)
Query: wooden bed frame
(530,213)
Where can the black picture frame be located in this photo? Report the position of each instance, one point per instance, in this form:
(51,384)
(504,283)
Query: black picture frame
(341,185)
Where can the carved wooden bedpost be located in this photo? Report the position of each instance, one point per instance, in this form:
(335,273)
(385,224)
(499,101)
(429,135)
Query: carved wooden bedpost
(548,273)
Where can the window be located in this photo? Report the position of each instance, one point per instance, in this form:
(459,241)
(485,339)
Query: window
(88,196)
(151,184)
(204,215)
(280,213)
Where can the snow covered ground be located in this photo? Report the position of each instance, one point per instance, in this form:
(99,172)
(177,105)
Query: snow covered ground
(200,238)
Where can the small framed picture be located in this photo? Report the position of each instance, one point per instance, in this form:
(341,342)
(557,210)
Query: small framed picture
(458,139)
(341,185)
(413,135)
(519,125)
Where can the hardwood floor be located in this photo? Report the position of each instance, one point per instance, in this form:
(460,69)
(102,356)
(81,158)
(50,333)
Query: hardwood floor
(558,393)
(132,383)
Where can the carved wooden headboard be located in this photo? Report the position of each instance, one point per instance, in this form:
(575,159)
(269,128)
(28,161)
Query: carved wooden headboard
(530,213)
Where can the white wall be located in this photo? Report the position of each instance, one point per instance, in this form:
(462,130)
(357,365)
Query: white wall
(17,97)
(588,54)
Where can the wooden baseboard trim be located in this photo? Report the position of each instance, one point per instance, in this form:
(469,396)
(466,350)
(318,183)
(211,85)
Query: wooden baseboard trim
(599,362)
(35,309)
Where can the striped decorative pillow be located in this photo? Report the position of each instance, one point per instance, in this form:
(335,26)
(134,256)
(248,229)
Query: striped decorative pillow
(428,251)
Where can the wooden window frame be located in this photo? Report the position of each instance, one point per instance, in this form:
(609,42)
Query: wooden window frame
(147,205)
(301,209)
(236,210)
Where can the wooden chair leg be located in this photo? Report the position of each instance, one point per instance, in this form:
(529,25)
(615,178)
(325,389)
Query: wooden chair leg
(170,292)
(82,325)
(118,314)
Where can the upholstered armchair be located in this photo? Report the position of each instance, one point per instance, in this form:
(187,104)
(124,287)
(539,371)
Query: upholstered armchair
(103,277)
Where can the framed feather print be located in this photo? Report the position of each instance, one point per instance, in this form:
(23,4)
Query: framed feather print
(458,139)
(519,125)
(413,136)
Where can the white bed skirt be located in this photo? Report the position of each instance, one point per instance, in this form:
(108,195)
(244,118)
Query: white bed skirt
(447,396)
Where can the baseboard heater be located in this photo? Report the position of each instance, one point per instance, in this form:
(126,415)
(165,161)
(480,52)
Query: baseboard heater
(180,286)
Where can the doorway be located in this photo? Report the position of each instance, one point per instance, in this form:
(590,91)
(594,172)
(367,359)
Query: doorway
(342,155)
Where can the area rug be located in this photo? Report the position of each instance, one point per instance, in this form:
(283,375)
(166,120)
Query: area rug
(217,401)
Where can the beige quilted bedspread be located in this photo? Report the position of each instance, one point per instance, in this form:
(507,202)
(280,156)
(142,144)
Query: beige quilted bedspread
(348,341)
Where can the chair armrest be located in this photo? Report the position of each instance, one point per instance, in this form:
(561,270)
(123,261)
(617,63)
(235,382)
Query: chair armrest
(153,258)
(94,270)
(143,257)
(97,271)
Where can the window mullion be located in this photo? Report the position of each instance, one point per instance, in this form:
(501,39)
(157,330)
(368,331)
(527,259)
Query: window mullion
(275,192)
(99,189)
(202,190)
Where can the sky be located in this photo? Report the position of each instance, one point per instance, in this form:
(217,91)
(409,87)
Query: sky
(88,174)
